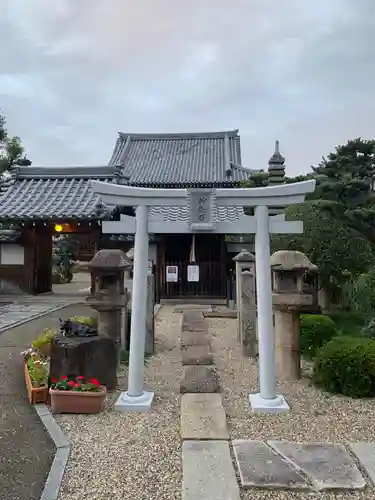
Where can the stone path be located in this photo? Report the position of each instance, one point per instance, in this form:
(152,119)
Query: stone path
(206,461)
(26,451)
(209,473)
(18,313)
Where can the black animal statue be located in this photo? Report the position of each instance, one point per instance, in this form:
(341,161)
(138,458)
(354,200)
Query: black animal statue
(73,329)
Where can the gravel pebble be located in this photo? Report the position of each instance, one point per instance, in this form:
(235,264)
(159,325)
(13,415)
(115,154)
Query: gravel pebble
(130,455)
(314,416)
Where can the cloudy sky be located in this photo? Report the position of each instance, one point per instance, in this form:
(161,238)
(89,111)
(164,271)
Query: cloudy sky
(75,72)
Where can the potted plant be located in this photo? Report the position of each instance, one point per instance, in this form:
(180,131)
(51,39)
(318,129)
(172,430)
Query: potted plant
(78,395)
(36,377)
(43,342)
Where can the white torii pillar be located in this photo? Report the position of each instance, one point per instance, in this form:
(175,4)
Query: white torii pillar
(267,400)
(136,398)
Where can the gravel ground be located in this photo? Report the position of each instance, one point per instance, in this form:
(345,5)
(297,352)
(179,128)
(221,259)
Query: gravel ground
(314,416)
(129,455)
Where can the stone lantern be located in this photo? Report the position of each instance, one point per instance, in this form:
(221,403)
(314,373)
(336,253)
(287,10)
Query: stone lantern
(291,295)
(108,295)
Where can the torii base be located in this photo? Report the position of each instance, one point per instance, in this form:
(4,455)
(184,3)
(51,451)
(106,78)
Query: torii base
(260,405)
(140,404)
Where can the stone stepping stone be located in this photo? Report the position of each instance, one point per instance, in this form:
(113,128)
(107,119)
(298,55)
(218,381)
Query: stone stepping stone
(196,355)
(261,467)
(199,379)
(207,471)
(194,339)
(220,314)
(203,417)
(365,453)
(193,321)
(328,466)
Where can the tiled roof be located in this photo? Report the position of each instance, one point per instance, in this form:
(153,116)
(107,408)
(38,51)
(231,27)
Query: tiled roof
(212,158)
(53,193)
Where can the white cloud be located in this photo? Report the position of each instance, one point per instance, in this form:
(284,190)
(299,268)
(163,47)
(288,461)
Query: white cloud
(74,73)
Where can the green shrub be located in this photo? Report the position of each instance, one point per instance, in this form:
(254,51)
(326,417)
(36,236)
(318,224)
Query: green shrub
(85,320)
(349,323)
(45,339)
(316,330)
(346,365)
(358,295)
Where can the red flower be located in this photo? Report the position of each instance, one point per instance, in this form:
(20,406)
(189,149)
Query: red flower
(64,378)
(54,380)
(76,385)
(94,381)
(80,377)
(71,383)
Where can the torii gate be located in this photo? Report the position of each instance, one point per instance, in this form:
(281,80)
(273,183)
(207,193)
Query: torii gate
(202,204)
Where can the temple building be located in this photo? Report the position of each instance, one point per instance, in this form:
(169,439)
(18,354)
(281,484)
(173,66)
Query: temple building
(36,203)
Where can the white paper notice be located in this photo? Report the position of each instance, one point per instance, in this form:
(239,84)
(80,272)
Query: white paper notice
(193,273)
(172,274)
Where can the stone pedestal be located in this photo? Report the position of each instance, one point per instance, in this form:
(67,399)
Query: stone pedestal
(248,315)
(85,356)
(245,261)
(287,336)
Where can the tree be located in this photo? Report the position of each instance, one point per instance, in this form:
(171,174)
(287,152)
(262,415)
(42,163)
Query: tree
(339,251)
(11,149)
(344,185)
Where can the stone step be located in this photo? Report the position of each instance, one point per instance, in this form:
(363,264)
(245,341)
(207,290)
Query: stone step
(196,379)
(365,453)
(194,339)
(328,466)
(203,417)
(261,467)
(207,471)
(193,321)
(197,355)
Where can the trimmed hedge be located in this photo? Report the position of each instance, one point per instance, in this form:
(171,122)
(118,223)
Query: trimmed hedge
(316,330)
(346,365)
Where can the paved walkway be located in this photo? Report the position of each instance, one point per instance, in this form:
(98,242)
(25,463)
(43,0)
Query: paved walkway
(208,471)
(26,452)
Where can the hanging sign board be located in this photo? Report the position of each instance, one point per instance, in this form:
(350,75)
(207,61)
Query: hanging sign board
(193,273)
(172,274)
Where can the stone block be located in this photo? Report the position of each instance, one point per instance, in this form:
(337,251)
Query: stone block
(194,339)
(193,321)
(207,471)
(203,417)
(196,355)
(262,467)
(199,379)
(365,453)
(87,356)
(328,466)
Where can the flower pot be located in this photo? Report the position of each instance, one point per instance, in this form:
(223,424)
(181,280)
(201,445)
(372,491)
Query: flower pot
(76,401)
(35,394)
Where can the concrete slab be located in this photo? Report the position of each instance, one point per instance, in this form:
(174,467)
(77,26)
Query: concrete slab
(196,355)
(261,467)
(365,453)
(328,466)
(203,417)
(207,471)
(199,379)
(194,338)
